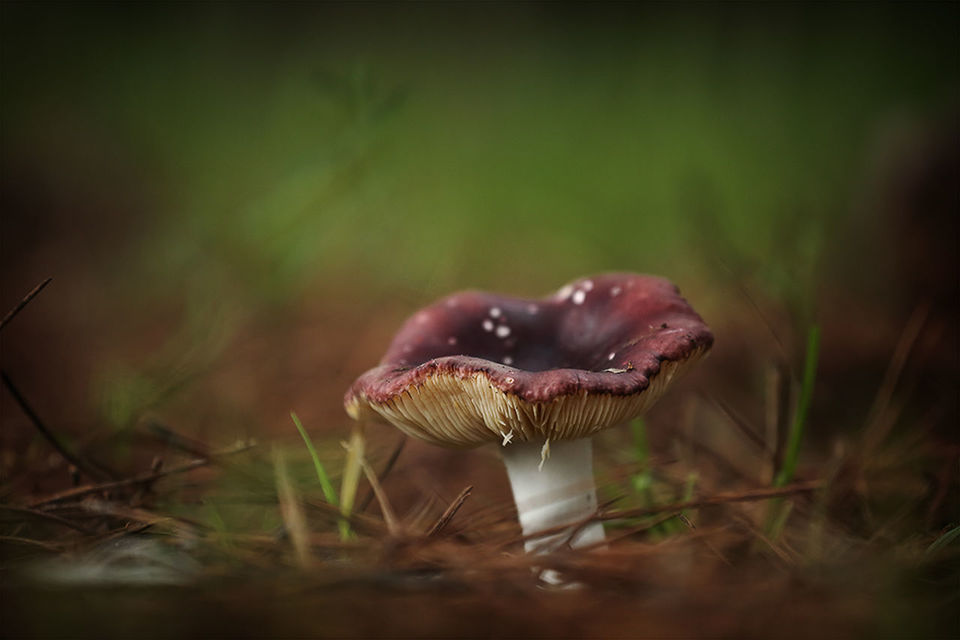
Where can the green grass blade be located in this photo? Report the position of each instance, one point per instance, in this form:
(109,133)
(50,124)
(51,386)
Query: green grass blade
(948,537)
(795,437)
(351,477)
(219,525)
(638,429)
(642,482)
(328,491)
(778,511)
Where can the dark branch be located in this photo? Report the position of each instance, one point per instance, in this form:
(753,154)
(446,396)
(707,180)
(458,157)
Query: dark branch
(74,459)
(383,474)
(451,511)
(26,300)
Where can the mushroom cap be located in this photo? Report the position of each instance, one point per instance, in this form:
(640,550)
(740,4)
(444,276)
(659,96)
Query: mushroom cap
(475,367)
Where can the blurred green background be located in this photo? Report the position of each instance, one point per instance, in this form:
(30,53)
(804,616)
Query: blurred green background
(181,168)
(239,204)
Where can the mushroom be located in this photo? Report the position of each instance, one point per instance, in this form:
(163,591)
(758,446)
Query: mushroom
(539,378)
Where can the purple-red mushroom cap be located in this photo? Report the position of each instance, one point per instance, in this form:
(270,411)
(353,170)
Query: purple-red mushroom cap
(476,367)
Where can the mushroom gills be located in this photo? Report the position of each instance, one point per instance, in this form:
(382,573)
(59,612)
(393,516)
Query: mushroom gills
(560,493)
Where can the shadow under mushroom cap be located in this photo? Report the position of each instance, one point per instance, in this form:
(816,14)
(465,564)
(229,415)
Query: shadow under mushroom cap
(459,371)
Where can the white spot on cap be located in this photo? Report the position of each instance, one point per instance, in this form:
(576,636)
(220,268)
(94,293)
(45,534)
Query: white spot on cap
(509,380)
(452,340)
(588,285)
(615,291)
(507,360)
(532,309)
(613,354)
(503,331)
(488,325)
(579,296)
(495,312)
(565,292)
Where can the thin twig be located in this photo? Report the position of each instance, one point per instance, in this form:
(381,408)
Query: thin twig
(632,531)
(139,514)
(745,292)
(777,548)
(738,421)
(26,300)
(127,530)
(79,462)
(720,498)
(43,515)
(146,478)
(418,514)
(383,474)
(451,511)
(706,541)
(168,436)
(393,526)
(675,508)
(702,449)
(876,429)
(317,540)
(291,512)
(357,521)
(32,543)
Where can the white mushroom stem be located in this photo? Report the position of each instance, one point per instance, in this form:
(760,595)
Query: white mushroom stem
(562,492)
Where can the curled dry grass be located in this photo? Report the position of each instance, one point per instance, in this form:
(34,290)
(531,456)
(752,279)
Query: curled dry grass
(271,560)
(240,541)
